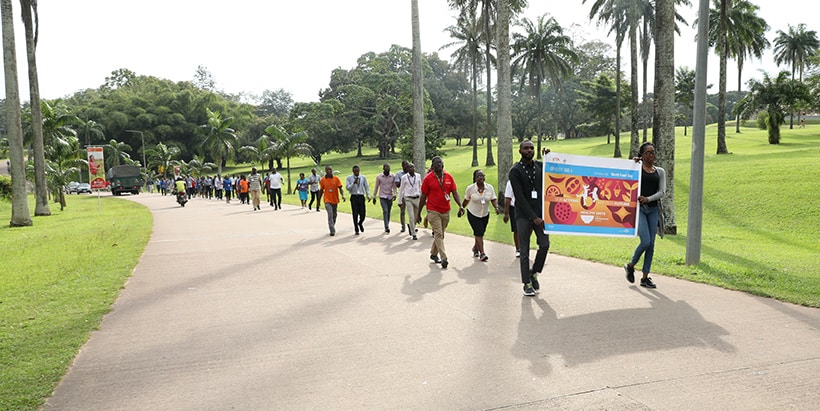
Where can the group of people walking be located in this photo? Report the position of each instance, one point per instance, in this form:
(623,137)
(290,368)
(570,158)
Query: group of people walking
(436,190)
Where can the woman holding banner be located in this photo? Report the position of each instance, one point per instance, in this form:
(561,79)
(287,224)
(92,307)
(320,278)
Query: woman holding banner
(653,188)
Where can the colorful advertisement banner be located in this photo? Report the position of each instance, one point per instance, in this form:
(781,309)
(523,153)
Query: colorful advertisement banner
(96,167)
(590,195)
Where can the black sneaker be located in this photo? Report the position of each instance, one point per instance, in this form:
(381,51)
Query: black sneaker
(647,282)
(483,257)
(414,237)
(435,259)
(630,273)
(475,252)
(444,263)
(528,290)
(536,286)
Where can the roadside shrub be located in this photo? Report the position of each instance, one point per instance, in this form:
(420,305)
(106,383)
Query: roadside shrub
(5,187)
(762,119)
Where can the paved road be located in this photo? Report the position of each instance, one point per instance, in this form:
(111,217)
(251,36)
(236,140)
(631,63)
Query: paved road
(234,309)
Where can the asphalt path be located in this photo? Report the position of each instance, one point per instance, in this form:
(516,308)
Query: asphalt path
(234,309)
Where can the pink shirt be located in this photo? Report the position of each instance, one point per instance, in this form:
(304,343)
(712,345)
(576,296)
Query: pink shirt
(385,186)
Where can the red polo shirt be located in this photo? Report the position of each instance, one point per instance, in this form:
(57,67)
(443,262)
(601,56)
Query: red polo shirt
(435,190)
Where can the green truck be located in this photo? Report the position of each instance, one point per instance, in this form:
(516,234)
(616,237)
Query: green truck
(124,179)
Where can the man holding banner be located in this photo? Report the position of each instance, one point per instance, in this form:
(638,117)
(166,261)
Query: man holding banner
(526,178)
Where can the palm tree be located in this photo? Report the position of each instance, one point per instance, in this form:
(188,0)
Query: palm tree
(197,167)
(117,152)
(504,121)
(467,33)
(89,129)
(745,36)
(221,141)
(163,156)
(419,148)
(262,152)
(797,47)
(615,14)
(29,11)
(542,53)
(288,145)
(663,121)
(19,200)
(775,97)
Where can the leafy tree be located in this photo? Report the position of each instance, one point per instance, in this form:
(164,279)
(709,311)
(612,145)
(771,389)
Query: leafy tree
(685,92)
(204,79)
(275,103)
(775,97)
(321,121)
(600,102)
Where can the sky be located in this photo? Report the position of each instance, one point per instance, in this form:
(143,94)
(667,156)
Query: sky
(254,45)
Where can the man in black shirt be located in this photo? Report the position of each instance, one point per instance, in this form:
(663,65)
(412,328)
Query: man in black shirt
(526,178)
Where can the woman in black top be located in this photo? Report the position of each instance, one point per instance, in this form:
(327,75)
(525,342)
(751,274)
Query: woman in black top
(653,187)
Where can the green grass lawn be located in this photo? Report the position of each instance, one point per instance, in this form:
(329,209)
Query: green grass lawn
(761,226)
(58,278)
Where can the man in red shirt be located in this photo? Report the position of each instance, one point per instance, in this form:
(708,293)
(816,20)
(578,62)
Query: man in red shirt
(436,189)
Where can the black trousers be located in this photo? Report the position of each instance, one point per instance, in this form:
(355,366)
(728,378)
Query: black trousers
(357,206)
(525,228)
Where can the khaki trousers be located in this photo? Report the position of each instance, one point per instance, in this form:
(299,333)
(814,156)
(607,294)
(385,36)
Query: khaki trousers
(438,223)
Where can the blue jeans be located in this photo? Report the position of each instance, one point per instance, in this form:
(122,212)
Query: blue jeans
(647,228)
(387,206)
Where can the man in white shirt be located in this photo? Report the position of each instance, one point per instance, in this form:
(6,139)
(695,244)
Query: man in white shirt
(409,193)
(359,195)
(275,182)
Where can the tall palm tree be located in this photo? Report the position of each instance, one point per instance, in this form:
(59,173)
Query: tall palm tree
(663,121)
(467,33)
(796,47)
(419,148)
(745,36)
(615,14)
(220,141)
(262,152)
(163,156)
(504,121)
(19,200)
(117,152)
(542,53)
(288,145)
(31,28)
(90,129)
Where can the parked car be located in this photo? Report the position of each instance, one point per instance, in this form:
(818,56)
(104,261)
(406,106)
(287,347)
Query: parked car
(84,188)
(71,188)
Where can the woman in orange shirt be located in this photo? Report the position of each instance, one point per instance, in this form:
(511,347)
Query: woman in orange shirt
(243,190)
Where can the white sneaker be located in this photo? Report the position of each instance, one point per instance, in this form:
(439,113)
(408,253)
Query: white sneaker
(517,254)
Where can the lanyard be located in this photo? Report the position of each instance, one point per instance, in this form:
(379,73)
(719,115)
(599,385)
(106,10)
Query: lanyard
(530,173)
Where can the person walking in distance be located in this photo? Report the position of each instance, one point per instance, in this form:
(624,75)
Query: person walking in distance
(359,195)
(653,188)
(313,182)
(255,188)
(404,165)
(385,191)
(302,188)
(437,188)
(409,193)
(275,180)
(526,177)
(477,199)
(330,188)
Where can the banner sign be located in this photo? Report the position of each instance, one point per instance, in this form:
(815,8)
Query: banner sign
(590,195)
(96,167)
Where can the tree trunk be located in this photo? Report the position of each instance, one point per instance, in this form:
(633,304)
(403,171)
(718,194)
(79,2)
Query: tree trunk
(724,52)
(419,150)
(618,42)
(663,121)
(635,141)
(739,84)
(41,207)
(474,100)
(504,121)
(490,161)
(20,214)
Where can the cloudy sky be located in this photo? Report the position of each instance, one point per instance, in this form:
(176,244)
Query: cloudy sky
(254,45)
